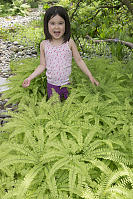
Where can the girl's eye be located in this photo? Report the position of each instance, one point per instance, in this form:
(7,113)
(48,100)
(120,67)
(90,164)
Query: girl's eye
(52,23)
(61,23)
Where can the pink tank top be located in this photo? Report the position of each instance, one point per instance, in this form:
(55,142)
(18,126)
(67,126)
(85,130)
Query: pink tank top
(58,63)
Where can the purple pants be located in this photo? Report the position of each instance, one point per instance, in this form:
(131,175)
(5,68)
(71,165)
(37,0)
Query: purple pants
(63,92)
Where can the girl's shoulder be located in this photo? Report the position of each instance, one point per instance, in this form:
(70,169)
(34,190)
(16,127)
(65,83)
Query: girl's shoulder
(42,44)
(71,43)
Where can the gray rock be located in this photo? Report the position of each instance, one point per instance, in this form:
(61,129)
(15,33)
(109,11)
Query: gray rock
(15,43)
(3,87)
(14,48)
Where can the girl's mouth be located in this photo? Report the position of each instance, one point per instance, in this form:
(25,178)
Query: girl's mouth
(57,33)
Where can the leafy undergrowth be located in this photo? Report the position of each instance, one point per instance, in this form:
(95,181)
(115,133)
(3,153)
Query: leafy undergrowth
(78,148)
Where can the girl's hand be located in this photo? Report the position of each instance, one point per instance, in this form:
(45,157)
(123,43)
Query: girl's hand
(93,81)
(26,83)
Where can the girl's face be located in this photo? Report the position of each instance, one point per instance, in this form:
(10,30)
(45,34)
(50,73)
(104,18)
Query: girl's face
(56,27)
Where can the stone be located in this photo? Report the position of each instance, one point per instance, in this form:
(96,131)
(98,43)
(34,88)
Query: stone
(15,43)
(14,48)
(3,87)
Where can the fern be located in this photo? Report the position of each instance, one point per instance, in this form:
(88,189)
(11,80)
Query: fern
(27,181)
(22,70)
(78,148)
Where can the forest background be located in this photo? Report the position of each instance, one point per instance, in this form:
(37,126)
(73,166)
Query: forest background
(81,147)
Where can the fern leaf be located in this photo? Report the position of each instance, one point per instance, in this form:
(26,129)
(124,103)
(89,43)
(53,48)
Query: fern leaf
(115,156)
(88,194)
(51,156)
(27,181)
(101,165)
(10,195)
(11,159)
(52,186)
(72,179)
(120,192)
(90,136)
(16,147)
(58,165)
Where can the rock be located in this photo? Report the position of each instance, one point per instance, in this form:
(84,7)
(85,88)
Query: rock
(15,43)
(14,48)
(3,87)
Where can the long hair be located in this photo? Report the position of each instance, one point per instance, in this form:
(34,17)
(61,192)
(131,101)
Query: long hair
(52,12)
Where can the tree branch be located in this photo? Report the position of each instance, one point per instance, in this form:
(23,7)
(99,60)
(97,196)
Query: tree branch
(99,9)
(129,44)
(77,6)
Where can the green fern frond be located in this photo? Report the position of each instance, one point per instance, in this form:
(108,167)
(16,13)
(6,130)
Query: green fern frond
(15,147)
(101,165)
(7,171)
(52,186)
(131,138)
(106,154)
(51,156)
(58,165)
(88,194)
(41,137)
(90,135)
(33,144)
(129,173)
(109,185)
(115,176)
(66,108)
(10,195)
(115,156)
(16,159)
(27,181)
(72,179)
(120,192)
(16,91)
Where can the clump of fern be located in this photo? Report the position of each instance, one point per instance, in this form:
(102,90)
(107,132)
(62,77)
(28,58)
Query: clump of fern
(59,149)
(78,148)
(21,70)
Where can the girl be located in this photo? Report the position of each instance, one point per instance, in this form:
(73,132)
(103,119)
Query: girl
(56,53)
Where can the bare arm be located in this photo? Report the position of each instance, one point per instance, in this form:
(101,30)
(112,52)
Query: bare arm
(80,62)
(39,69)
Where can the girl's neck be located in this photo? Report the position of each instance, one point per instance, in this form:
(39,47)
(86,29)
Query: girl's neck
(56,42)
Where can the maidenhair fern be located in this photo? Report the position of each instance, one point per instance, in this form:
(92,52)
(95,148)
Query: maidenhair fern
(22,70)
(79,148)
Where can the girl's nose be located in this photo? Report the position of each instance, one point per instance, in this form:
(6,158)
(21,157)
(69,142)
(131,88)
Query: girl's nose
(56,25)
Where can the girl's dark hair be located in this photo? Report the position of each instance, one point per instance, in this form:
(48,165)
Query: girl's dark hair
(52,12)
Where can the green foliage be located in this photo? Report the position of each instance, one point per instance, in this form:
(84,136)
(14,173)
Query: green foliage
(16,7)
(78,148)
(23,69)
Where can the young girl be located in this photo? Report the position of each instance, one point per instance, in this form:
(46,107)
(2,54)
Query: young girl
(56,53)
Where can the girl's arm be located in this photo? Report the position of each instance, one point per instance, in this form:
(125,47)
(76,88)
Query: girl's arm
(80,62)
(39,69)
